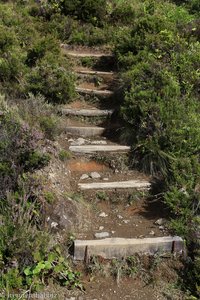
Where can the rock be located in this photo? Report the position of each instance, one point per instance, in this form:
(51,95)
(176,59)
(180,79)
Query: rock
(160,222)
(100,235)
(79,142)
(67,214)
(101,227)
(106,179)
(98,143)
(119,217)
(84,176)
(126,221)
(54,224)
(151,232)
(95,175)
(112,231)
(161,227)
(103,215)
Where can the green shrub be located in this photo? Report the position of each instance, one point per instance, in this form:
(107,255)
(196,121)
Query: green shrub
(124,12)
(39,114)
(34,160)
(15,134)
(159,58)
(49,197)
(41,47)
(64,155)
(86,10)
(49,126)
(48,78)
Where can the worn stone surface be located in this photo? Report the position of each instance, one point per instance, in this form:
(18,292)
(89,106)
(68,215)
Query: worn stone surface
(100,142)
(87,112)
(110,248)
(103,93)
(94,72)
(74,53)
(79,142)
(135,184)
(99,148)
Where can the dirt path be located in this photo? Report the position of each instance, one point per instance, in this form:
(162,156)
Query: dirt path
(118,213)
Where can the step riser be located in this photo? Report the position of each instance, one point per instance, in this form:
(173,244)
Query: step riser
(92,149)
(131,184)
(110,248)
(85,131)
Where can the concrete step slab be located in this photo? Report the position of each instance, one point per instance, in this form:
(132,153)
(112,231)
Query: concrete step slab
(84,52)
(87,112)
(93,72)
(129,184)
(110,248)
(84,131)
(102,93)
(99,148)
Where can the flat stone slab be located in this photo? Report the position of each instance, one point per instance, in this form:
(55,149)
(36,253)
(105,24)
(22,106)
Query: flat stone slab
(110,248)
(83,53)
(94,92)
(87,112)
(99,148)
(84,131)
(93,72)
(133,184)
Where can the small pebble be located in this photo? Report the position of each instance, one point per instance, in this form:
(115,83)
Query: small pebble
(160,221)
(84,176)
(54,224)
(103,215)
(151,232)
(119,217)
(126,221)
(95,175)
(101,235)
(161,227)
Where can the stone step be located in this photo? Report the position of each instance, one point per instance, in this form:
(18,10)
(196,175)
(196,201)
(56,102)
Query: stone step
(110,248)
(87,112)
(99,148)
(84,52)
(133,184)
(101,93)
(84,131)
(93,72)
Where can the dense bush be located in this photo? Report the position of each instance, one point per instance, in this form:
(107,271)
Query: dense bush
(52,80)
(31,61)
(87,10)
(15,134)
(159,57)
